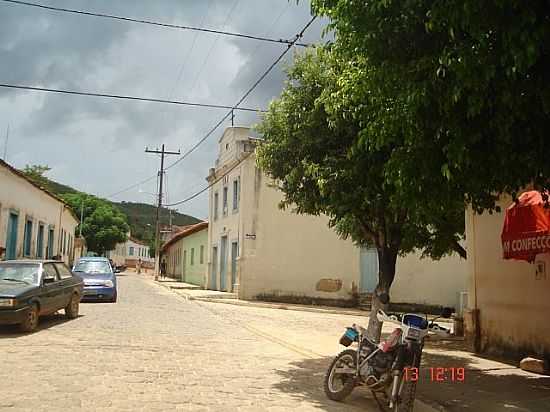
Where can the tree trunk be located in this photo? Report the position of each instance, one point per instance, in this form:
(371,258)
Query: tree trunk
(387,259)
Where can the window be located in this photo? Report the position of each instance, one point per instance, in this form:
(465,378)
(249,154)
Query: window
(40,241)
(236,193)
(64,242)
(225,200)
(192,255)
(64,272)
(27,241)
(49,272)
(202,254)
(131,251)
(216,199)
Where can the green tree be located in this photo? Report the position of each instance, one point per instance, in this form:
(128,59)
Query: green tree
(37,174)
(103,225)
(325,148)
(473,79)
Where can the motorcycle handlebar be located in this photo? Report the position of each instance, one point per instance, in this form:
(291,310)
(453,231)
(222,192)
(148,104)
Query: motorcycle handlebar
(383,317)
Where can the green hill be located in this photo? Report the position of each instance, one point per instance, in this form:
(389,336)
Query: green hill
(141,216)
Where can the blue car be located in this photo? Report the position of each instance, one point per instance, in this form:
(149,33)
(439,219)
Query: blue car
(99,279)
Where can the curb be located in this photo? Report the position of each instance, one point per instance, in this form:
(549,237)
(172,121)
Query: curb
(266,305)
(281,306)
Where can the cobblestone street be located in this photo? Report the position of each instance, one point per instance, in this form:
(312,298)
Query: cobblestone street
(153,350)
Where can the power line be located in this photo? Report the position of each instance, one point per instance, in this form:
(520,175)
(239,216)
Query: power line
(131,187)
(220,122)
(231,10)
(210,185)
(250,90)
(153,23)
(124,97)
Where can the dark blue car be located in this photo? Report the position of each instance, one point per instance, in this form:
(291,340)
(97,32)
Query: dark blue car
(99,279)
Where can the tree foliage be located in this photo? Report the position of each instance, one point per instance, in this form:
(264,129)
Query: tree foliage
(473,77)
(330,142)
(36,174)
(103,225)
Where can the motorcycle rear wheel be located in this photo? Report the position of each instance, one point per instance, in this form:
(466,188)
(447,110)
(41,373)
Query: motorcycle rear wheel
(347,359)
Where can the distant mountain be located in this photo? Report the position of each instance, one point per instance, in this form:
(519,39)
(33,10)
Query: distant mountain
(141,216)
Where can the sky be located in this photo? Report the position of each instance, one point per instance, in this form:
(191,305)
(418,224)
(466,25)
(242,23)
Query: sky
(98,145)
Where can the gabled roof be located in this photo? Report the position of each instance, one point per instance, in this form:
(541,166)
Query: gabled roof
(139,242)
(188,230)
(22,175)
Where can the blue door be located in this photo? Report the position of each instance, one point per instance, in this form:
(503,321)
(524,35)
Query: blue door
(214,269)
(49,248)
(11,243)
(223,264)
(40,242)
(369,270)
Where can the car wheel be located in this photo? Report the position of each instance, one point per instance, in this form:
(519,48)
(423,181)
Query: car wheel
(71,311)
(31,321)
(113,300)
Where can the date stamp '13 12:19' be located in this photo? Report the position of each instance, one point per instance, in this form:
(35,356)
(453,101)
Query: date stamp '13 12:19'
(437,374)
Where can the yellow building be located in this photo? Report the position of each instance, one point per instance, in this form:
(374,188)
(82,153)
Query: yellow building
(262,252)
(509,301)
(34,223)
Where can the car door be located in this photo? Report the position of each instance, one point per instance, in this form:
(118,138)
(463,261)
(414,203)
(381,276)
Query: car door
(66,284)
(50,297)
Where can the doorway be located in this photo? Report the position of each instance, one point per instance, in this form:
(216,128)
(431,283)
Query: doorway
(214,269)
(234,254)
(223,264)
(369,270)
(11,241)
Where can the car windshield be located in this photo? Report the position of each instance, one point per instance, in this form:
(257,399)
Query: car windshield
(19,273)
(92,266)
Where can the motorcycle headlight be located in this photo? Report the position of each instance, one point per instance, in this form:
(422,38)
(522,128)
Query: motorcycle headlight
(7,302)
(109,283)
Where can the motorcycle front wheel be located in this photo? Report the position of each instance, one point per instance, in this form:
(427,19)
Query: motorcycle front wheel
(340,378)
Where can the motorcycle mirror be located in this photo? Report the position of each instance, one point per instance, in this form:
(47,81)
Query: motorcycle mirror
(384,298)
(447,312)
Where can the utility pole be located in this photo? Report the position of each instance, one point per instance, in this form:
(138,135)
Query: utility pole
(162,153)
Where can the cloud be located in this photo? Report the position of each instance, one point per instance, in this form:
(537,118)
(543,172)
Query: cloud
(97,144)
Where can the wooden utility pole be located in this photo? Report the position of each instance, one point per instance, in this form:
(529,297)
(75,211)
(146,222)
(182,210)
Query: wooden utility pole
(162,153)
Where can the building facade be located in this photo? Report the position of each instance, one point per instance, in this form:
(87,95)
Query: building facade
(185,254)
(34,223)
(130,252)
(262,252)
(508,300)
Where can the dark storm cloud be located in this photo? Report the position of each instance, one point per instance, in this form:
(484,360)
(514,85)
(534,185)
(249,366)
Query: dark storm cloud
(97,144)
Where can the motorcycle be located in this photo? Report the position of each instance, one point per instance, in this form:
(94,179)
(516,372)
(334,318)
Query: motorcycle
(382,367)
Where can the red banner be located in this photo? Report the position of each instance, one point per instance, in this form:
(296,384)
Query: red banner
(526,230)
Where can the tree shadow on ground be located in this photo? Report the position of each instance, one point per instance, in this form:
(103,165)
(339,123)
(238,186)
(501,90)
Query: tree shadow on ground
(45,322)
(305,380)
(487,386)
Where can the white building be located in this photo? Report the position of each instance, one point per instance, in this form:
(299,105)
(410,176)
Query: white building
(263,252)
(129,252)
(34,223)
